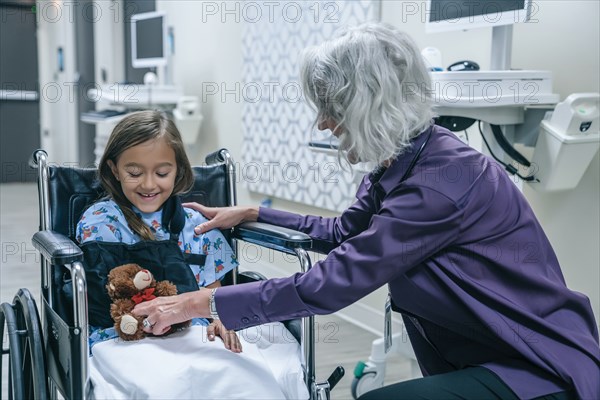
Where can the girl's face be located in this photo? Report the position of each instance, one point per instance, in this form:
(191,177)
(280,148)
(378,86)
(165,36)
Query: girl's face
(147,174)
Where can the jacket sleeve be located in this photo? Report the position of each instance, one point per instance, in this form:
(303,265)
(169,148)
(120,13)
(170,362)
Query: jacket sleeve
(413,224)
(327,233)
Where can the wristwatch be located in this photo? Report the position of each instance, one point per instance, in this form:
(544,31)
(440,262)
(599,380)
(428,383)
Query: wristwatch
(211,304)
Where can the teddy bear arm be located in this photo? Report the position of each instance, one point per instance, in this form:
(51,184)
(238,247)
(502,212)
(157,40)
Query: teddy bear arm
(127,326)
(165,288)
(120,307)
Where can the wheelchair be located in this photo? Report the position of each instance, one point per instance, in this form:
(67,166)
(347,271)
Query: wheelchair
(48,349)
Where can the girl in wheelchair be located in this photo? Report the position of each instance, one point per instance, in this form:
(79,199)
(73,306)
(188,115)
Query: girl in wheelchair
(143,170)
(144,167)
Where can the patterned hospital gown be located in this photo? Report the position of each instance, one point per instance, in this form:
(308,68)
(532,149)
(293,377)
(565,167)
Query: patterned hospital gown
(104,221)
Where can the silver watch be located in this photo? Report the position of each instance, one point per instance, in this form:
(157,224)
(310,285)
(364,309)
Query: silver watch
(211,304)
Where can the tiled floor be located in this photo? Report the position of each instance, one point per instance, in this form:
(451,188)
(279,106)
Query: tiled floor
(337,341)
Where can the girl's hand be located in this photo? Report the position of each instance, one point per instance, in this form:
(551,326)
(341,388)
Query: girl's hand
(230,338)
(222,217)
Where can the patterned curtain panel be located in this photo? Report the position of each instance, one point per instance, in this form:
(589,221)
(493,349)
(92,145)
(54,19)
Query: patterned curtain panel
(276,121)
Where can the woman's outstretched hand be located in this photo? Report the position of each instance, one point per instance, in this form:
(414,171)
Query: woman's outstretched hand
(163,312)
(229,337)
(223,217)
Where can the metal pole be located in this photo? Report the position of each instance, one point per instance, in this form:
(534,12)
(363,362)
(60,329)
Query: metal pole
(231,180)
(308,332)
(40,159)
(80,318)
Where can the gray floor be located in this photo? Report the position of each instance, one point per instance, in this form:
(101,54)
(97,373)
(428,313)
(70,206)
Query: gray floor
(337,341)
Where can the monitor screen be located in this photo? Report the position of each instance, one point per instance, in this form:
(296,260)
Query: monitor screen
(446,15)
(148,40)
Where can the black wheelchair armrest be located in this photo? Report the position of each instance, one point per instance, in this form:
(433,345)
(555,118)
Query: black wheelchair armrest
(272,237)
(250,276)
(56,247)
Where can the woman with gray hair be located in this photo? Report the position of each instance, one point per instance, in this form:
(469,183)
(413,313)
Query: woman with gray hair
(466,262)
(371,84)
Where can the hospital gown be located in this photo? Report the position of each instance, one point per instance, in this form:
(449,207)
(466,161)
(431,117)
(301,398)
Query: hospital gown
(105,222)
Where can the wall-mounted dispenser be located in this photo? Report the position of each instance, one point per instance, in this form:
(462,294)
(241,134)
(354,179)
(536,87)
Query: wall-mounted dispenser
(568,141)
(188,118)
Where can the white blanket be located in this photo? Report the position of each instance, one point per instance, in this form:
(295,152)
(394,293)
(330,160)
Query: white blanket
(185,365)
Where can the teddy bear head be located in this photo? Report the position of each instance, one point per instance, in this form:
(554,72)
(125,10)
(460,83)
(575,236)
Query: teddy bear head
(128,280)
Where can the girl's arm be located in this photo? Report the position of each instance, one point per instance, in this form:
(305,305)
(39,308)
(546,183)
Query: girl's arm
(216,328)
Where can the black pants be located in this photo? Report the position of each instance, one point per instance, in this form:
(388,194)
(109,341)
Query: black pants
(476,383)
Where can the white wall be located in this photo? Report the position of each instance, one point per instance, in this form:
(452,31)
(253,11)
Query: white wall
(571,219)
(58,90)
(109,42)
(564,39)
(208,51)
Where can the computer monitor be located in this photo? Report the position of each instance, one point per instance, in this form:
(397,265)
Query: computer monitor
(447,15)
(149,40)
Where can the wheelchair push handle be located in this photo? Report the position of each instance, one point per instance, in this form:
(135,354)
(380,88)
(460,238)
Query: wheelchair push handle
(35,158)
(216,157)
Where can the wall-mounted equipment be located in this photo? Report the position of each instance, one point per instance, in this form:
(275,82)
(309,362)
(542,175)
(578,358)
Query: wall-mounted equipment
(447,15)
(188,118)
(152,44)
(568,141)
(148,40)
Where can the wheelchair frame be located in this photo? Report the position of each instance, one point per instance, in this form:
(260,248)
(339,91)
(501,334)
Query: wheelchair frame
(36,366)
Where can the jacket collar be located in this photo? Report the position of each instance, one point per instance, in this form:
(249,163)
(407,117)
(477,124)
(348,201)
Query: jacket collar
(386,179)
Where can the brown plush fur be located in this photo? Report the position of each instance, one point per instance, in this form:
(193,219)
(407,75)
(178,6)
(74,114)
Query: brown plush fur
(121,289)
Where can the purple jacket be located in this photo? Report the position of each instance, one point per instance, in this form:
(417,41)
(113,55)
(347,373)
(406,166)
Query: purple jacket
(466,262)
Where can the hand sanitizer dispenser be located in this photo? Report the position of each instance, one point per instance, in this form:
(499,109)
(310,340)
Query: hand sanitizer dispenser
(188,119)
(567,143)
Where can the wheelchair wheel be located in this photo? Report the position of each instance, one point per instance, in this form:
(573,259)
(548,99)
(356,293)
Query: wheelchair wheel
(26,366)
(362,385)
(9,319)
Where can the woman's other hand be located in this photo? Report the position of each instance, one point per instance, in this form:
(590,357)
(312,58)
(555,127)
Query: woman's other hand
(229,337)
(222,217)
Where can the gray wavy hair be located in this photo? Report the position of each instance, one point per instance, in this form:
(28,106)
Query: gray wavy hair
(370,80)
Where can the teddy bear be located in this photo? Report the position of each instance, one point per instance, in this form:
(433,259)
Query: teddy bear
(129,285)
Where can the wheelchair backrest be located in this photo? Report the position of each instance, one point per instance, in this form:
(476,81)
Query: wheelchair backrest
(72,190)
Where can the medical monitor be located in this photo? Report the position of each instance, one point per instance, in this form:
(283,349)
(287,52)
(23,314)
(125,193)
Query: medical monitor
(149,40)
(448,15)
